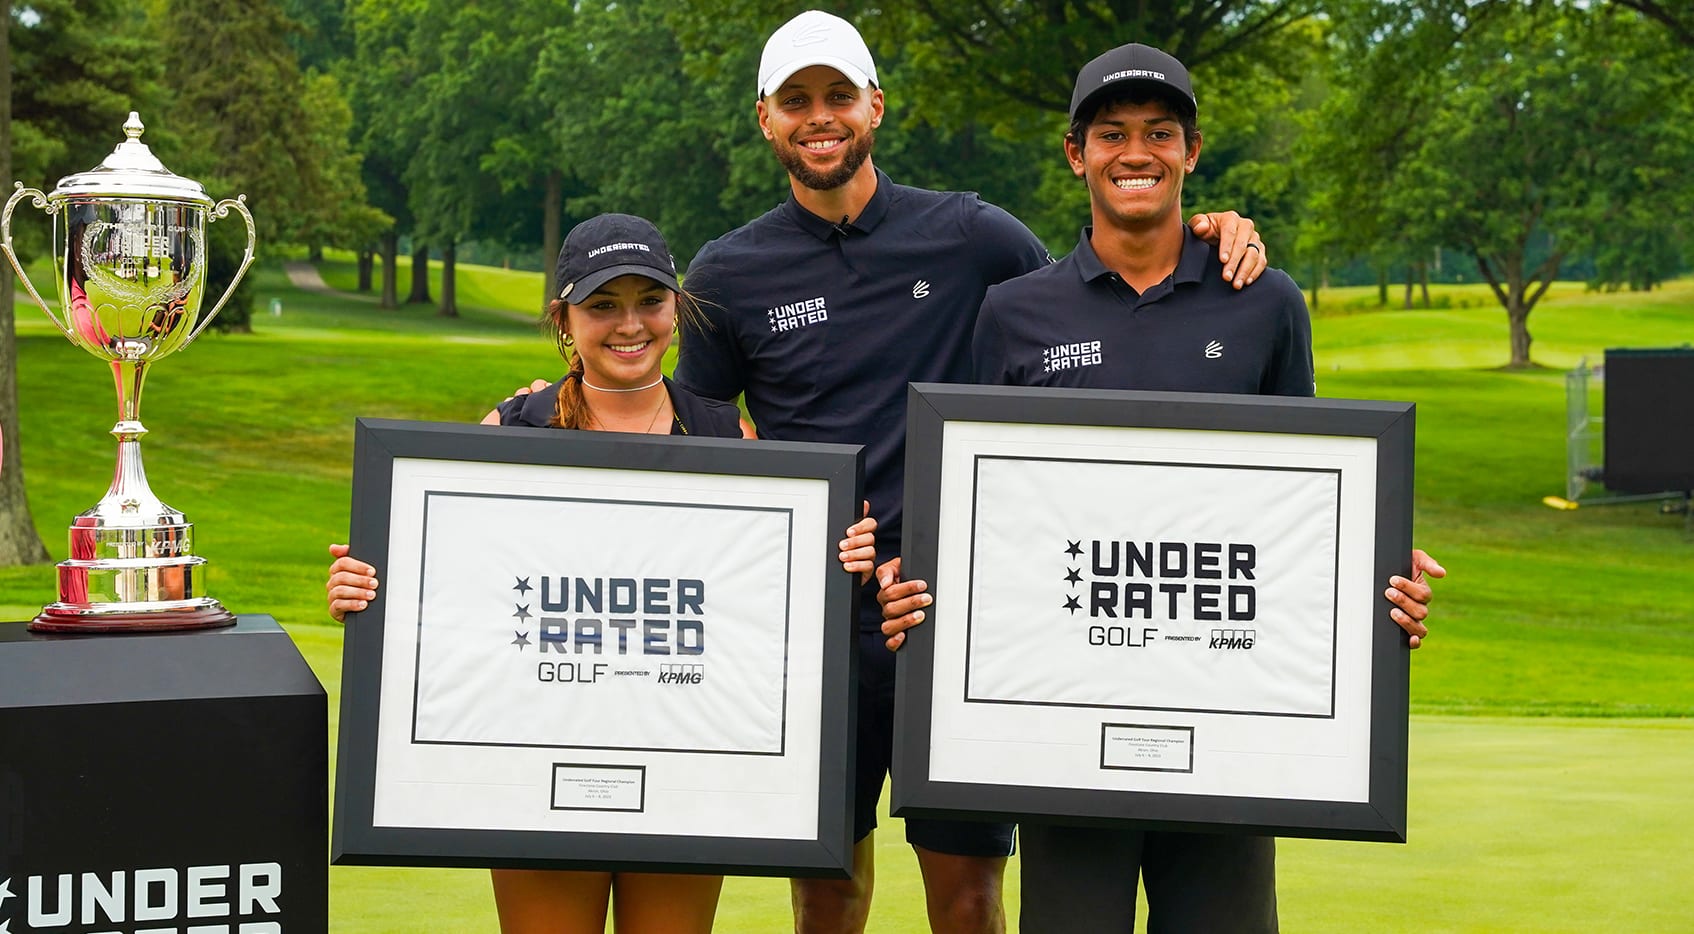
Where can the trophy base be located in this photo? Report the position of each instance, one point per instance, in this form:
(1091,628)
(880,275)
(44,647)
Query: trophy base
(107,586)
(58,618)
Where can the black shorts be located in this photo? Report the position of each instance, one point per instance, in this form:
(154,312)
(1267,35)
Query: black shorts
(876,755)
(1084,879)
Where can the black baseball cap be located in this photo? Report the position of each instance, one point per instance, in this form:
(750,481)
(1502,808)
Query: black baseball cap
(1133,62)
(603,248)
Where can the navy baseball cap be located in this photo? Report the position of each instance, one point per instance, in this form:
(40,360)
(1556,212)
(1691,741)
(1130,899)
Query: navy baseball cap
(603,248)
(1133,62)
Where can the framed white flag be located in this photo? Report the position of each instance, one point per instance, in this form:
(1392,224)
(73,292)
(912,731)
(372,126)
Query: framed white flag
(598,650)
(1156,609)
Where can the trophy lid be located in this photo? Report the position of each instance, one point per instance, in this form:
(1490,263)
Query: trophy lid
(131,171)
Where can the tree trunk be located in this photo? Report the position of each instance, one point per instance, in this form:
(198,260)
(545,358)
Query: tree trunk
(1512,286)
(1410,276)
(420,274)
(314,252)
(1518,314)
(1382,286)
(449,300)
(1423,280)
(19,543)
(550,223)
(390,246)
(365,263)
(1316,281)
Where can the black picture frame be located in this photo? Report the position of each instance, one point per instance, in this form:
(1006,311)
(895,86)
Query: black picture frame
(1379,816)
(357,839)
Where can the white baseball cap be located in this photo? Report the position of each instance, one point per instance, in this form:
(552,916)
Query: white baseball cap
(815,38)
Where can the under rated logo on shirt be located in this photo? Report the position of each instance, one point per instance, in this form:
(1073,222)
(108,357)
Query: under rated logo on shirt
(1214,350)
(794,315)
(920,289)
(1070,356)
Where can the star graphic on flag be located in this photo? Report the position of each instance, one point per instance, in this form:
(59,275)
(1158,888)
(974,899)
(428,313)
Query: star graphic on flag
(6,926)
(1074,577)
(1075,549)
(521,640)
(5,890)
(523,610)
(523,585)
(1072,604)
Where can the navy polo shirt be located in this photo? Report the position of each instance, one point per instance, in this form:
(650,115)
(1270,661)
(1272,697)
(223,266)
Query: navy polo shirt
(1077,323)
(692,415)
(822,324)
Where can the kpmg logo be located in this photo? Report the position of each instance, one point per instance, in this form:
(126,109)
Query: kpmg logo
(629,619)
(214,899)
(1130,589)
(794,315)
(681,673)
(1232,639)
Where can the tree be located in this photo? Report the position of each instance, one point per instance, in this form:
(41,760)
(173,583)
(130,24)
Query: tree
(19,543)
(1677,17)
(242,107)
(74,70)
(427,71)
(345,218)
(1382,66)
(1529,134)
(381,76)
(648,129)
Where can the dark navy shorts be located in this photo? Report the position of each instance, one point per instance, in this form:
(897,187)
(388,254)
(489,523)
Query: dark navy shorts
(876,755)
(1084,879)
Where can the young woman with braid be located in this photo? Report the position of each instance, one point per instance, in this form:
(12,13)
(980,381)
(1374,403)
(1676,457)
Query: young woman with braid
(615,317)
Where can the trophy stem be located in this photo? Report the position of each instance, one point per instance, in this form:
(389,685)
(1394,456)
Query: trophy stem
(129,375)
(132,566)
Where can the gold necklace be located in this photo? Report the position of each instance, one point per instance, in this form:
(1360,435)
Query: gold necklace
(663,398)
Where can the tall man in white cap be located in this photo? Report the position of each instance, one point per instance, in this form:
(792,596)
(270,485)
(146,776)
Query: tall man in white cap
(1142,289)
(821,311)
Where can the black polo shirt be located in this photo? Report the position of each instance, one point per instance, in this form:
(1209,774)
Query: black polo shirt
(692,415)
(823,324)
(1077,323)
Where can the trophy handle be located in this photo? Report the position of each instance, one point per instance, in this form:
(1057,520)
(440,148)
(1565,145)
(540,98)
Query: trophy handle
(221,210)
(40,201)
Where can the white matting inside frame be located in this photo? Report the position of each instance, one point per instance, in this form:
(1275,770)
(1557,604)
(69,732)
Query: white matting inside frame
(1154,610)
(611,651)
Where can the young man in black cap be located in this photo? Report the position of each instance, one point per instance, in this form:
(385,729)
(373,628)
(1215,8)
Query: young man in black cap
(821,311)
(1143,293)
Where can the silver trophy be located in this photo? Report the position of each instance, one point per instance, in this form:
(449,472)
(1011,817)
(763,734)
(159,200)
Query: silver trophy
(129,255)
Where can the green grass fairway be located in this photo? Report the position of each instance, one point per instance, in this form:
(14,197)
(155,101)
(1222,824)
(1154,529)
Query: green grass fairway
(1553,728)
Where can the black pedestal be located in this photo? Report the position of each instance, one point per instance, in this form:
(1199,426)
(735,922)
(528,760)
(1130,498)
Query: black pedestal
(169,782)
